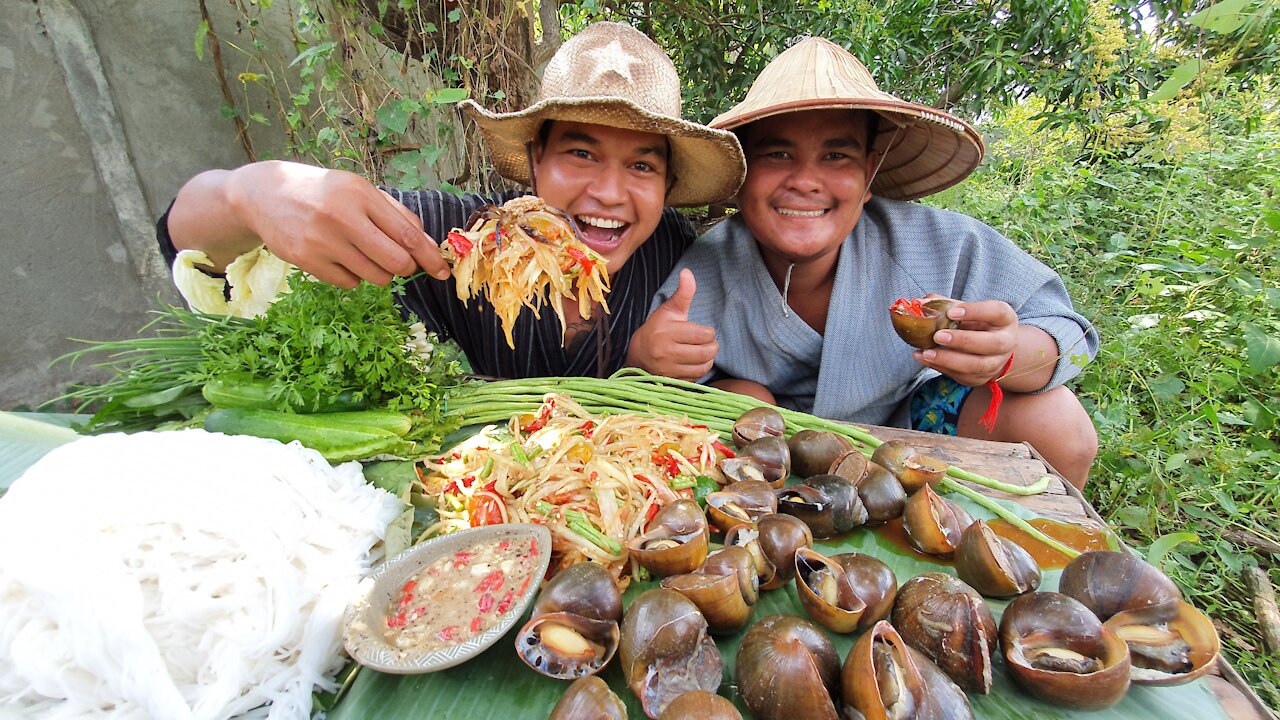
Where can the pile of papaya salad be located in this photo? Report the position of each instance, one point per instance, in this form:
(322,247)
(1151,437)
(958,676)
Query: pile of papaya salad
(595,482)
(514,253)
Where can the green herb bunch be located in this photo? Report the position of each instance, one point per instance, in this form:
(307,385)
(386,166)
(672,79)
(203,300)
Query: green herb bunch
(320,340)
(316,341)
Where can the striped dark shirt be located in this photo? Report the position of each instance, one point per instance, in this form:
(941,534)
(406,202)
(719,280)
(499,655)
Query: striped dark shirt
(539,343)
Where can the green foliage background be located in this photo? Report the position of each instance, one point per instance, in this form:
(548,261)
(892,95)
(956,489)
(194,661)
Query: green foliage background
(1133,145)
(1178,264)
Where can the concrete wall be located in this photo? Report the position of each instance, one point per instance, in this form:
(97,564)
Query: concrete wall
(104,112)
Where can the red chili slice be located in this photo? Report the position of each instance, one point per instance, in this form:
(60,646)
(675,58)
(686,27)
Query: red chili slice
(507,601)
(903,306)
(460,244)
(485,604)
(476,624)
(491,581)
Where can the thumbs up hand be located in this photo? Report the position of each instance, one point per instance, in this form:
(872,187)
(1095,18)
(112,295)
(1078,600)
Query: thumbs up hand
(668,344)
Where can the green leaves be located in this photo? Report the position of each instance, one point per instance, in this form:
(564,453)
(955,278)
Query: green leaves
(1263,349)
(1180,78)
(1224,16)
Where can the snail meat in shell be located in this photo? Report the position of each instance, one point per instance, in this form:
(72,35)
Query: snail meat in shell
(573,631)
(1169,644)
(1057,650)
(666,651)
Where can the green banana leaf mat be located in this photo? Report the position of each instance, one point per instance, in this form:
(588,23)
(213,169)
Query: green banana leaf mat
(497,685)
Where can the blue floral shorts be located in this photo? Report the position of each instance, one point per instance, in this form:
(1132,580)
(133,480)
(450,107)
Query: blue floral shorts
(935,406)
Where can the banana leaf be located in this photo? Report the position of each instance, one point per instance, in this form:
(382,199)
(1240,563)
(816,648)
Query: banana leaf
(497,685)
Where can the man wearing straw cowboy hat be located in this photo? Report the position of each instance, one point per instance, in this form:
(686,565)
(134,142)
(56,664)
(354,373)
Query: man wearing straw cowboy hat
(604,142)
(797,286)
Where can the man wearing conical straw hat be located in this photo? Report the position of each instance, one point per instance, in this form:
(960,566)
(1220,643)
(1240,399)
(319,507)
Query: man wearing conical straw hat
(604,142)
(798,285)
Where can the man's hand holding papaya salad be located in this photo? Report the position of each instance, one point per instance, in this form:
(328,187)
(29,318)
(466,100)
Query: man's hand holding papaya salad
(513,253)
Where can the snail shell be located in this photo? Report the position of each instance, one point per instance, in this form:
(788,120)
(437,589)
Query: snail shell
(885,678)
(813,451)
(918,331)
(1109,582)
(933,524)
(993,565)
(725,589)
(1169,644)
(573,630)
(772,543)
(786,668)
(828,504)
(589,698)
(741,502)
(844,592)
(700,705)
(767,458)
(756,423)
(881,494)
(911,468)
(676,542)
(949,622)
(665,650)
(1059,651)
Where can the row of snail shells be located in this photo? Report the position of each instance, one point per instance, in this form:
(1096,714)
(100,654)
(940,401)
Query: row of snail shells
(666,651)
(573,631)
(1116,620)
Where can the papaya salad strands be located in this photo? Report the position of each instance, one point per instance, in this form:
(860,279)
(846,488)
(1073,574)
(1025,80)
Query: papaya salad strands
(514,253)
(595,482)
(634,391)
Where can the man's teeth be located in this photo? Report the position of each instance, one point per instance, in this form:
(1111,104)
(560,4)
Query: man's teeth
(602,223)
(800,213)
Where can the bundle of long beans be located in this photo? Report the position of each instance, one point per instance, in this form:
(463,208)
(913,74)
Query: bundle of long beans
(635,391)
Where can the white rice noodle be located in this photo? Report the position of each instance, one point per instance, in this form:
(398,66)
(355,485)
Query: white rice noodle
(180,575)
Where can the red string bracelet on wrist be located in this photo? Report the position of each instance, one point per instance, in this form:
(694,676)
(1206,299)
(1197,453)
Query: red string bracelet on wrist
(988,419)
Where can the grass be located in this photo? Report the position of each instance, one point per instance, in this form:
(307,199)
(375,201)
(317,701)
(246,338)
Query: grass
(1177,263)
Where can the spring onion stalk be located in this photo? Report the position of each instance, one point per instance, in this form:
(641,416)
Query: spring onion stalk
(633,391)
(1005,514)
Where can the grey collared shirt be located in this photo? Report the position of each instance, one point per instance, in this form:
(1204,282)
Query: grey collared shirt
(858,369)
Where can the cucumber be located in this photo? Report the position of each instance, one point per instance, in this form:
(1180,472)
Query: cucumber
(337,441)
(241,390)
(396,422)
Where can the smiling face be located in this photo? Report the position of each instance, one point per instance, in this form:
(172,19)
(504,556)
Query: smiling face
(611,181)
(807,177)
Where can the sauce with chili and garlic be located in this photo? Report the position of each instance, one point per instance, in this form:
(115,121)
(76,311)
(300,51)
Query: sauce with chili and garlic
(459,596)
